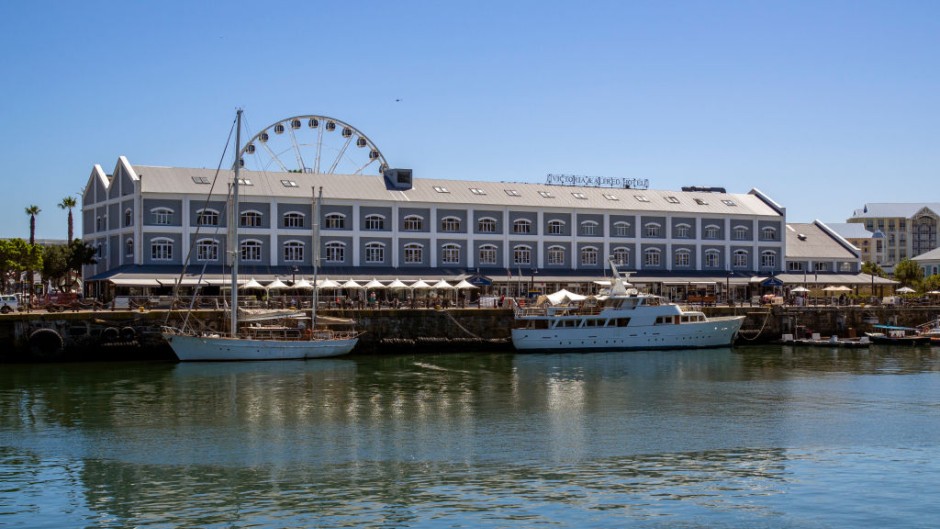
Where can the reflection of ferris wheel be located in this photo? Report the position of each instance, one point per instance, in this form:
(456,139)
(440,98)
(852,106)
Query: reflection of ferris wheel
(312,144)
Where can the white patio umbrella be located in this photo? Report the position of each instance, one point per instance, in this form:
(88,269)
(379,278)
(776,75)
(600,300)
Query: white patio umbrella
(302,284)
(277,284)
(328,284)
(905,290)
(252,284)
(396,284)
(464,284)
(350,284)
(375,283)
(934,293)
(443,285)
(419,285)
(799,289)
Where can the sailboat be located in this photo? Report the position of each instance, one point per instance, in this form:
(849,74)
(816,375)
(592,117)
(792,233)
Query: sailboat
(264,335)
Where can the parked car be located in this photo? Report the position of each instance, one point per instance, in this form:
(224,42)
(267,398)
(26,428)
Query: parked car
(9,303)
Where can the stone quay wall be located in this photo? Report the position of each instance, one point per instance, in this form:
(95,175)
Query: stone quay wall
(132,335)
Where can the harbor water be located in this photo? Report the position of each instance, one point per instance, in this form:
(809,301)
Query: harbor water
(752,437)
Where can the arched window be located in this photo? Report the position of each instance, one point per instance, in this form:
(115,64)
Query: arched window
(652,229)
(682,258)
(556,255)
(768,259)
(375,222)
(621,256)
(556,227)
(589,227)
(334,221)
(162,216)
(161,249)
(293,251)
(652,257)
(488,254)
(335,252)
(207,217)
(683,231)
(522,255)
(450,253)
(712,231)
(768,233)
(129,248)
(250,219)
(207,250)
(523,226)
(712,258)
(740,259)
(128,217)
(622,229)
(486,225)
(588,256)
(294,219)
(739,233)
(251,250)
(414,253)
(450,224)
(413,223)
(375,252)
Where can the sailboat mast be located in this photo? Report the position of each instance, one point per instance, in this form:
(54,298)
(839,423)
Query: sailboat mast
(233,223)
(316,255)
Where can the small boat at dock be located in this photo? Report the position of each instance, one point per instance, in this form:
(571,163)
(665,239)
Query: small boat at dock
(832,341)
(895,335)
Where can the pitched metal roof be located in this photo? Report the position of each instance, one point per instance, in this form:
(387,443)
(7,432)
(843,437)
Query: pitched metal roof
(810,241)
(442,192)
(904,210)
(850,230)
(932,255)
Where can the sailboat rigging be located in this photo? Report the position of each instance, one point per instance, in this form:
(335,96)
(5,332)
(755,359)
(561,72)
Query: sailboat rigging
(263,335)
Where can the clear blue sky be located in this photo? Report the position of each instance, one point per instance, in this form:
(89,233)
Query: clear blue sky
(824,105)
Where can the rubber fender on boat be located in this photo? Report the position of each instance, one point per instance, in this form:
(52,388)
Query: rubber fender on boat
(128,334)
(110,334)
(46,341)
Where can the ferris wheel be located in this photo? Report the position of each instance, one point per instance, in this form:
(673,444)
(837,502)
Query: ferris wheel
(312,144)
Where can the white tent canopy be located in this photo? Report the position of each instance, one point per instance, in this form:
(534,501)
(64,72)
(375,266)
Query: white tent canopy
(252,284)
(464,284)
(443,285)
(351,284)
(800,289)
(302,284)
(905,290)
(563,296)
(375,283)
(419,284)
(327,283)
(397,284)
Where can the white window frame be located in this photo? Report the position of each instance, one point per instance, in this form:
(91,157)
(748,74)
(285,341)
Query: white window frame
(522,226)
(413,223)
(589,227)
(450,253)
(486,225)
(207,217)
(621,228)
(739,233)
(521,255)
(768,259)
(250,251)
(293,251)
(294,219)
(683,231)
(161,249)
(556,227)
(334,252)
(251,218)
(621,255)
(161,216)
(375,252)
(712,258)
(450,224)
(555,255)
(652,230)
(739,259)
(207,250)
(374,222)
(712,232)
(488,254)
(589,256)
(652,257)
(768,233)
(129,248)
(682,258)
(334,221)
(413,253)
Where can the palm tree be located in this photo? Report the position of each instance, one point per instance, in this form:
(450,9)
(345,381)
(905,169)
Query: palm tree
(68,203)
(32,211)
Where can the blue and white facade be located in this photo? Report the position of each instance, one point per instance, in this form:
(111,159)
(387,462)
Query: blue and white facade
(147,222)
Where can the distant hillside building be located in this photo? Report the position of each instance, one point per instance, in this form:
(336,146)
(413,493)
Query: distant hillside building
(910,228)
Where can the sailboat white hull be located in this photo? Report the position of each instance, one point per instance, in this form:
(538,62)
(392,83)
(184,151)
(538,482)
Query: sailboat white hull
(222,348)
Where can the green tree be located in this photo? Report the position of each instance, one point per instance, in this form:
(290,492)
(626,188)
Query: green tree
(32,211)
(932,283)
(16,257)
(79,255)
(908,273)
(871,268)
(68,203)
(55,268)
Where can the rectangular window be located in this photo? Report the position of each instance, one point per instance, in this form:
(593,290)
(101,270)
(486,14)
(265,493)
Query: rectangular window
(512,192)
(641,198)
(487,255)
(288,183)
(201,179)
(546,194)
(441,189)
(608,196)
(477,191)
(672,200)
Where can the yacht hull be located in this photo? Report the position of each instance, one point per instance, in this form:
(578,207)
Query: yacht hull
(220,348)
(717,332)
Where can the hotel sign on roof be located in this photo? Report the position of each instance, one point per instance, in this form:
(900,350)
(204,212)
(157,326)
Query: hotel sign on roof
(596,181)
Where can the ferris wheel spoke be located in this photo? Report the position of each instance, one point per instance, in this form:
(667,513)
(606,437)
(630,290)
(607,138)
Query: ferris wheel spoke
(274,157)
(297,151)
(316,167)
(367,164)
(340,155)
